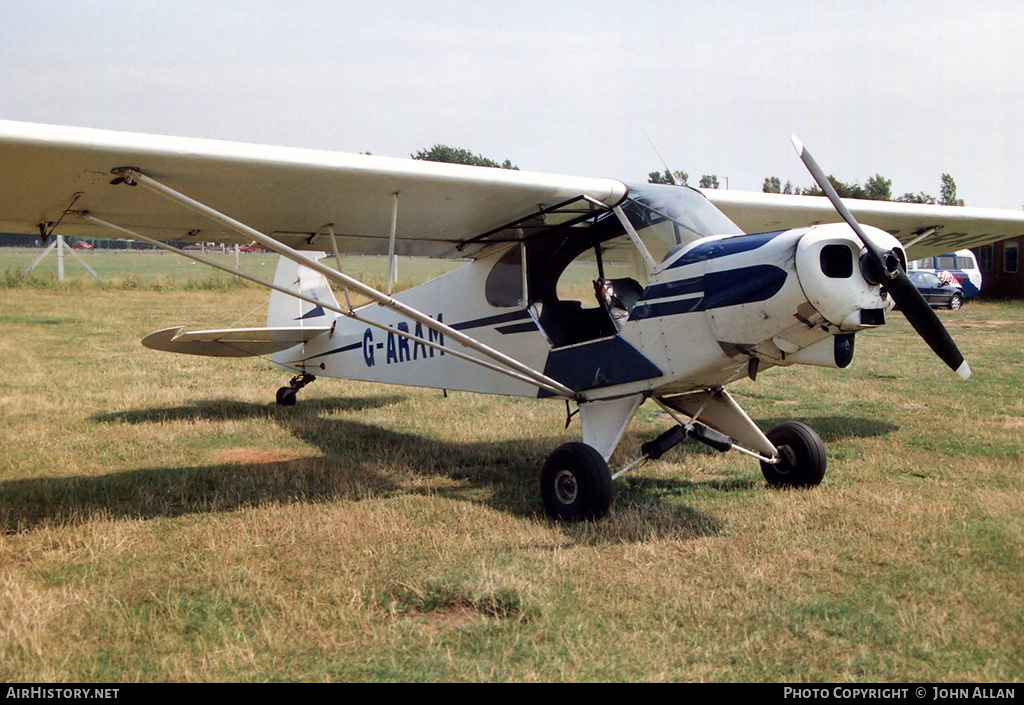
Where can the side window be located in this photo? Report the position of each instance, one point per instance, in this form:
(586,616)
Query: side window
(1010,255)
(964,263)
(945,262)
(504,286)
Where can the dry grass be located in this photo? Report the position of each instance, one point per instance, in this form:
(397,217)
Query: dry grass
(164,521)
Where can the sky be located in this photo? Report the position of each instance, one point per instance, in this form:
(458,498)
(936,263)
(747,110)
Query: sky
(908,90)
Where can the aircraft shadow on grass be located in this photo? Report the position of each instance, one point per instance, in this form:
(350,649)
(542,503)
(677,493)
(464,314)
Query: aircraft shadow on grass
(359,461)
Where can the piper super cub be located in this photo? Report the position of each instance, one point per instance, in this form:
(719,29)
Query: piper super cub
(683,302)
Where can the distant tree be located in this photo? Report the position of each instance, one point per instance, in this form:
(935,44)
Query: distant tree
(878,188)
(679,178)
(916,198)
(709,181)
(844,190)
(948,197)
(773,184)
(453,155)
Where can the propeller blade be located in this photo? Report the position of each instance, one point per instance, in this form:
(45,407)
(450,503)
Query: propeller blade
(927,323)
(889,269)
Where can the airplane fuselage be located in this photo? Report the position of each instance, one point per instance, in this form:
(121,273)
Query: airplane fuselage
(705,313)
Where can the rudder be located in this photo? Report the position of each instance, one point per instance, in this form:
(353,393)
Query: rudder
(284,310)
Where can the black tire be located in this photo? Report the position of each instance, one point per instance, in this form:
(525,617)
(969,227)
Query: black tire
(286,396)
(575,483)
(956,302)
(802,456)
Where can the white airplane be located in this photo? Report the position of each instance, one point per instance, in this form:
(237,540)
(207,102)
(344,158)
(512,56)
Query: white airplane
(683,302)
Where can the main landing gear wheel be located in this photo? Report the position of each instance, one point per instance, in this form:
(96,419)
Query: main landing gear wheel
(802,456)
(575,483)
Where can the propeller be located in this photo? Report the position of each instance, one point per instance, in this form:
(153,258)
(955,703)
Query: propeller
(885,267)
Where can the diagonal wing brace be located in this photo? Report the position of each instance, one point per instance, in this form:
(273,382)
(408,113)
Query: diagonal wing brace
(515,369)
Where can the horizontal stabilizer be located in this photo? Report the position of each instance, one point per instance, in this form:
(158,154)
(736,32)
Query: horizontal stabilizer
(231,342)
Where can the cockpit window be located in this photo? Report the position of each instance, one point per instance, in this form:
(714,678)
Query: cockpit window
(674,215)
(583,278)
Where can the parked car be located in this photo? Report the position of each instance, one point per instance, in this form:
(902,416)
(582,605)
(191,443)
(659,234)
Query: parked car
(959,268)
(81,245)
(936,292)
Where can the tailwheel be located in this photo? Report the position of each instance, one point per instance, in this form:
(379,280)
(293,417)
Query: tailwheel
(801,456)
(575,483)
(286,396)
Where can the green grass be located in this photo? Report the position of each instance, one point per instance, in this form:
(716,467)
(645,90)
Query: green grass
(163,520)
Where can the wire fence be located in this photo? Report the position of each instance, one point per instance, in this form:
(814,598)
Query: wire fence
(18,240)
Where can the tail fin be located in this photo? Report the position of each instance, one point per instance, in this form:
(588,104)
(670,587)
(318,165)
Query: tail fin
(287,311)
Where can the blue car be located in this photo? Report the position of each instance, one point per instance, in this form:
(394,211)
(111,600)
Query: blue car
(938,293)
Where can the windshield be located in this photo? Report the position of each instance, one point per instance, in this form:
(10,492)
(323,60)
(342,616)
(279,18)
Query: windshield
(668,216)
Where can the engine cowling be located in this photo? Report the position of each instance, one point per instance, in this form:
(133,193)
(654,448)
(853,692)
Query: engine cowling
(828,264)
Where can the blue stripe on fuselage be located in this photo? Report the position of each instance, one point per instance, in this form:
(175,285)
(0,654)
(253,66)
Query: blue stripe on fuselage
(724,247)
(718,289)
(729,288)
(680,287)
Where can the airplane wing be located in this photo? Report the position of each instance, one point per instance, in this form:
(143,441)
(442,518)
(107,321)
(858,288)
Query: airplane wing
(443,210)
(944,228)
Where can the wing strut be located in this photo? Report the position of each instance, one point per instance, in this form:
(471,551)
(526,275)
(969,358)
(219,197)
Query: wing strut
(350,313)
(337,260)
(391,242)
(133,176)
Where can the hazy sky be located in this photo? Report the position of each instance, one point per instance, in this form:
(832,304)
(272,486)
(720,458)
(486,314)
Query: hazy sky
(908,90)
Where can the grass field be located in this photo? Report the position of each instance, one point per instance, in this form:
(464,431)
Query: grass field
(164,520)
(158,270)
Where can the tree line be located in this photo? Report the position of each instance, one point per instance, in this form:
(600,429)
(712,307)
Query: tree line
(457,155)
(877,188)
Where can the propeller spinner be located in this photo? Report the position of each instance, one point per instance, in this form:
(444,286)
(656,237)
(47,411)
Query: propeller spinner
(885,267)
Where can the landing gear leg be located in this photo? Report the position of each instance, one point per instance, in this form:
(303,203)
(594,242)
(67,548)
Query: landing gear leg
(286,396)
